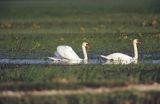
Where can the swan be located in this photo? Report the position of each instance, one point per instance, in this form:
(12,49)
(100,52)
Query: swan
(65,53)
(123,58)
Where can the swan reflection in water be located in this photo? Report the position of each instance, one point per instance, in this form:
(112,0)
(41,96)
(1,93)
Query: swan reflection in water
(69,62)
(91,61)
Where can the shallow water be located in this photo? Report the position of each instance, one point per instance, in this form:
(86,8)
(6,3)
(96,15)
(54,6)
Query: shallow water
(48,61)
(24,61)
(151,62)
(144,58)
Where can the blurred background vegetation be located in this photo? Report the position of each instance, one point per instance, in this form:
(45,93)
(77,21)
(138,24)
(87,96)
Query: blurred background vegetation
(56,8)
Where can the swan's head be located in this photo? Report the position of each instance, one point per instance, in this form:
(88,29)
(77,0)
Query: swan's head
(135,41)
(85,44)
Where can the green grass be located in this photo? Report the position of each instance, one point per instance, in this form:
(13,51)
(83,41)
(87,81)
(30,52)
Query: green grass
(25,40)
(30,77)
(34,28)
(56,8)
(42,46)
(117,97)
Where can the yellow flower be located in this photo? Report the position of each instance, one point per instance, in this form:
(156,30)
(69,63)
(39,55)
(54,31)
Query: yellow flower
(82,29)
(95,29)
(35,26)
(125,37)
(61,39)
(9,25)
(6,24)
(154,23)
(37,45)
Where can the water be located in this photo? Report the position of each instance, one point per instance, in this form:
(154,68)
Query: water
(151,62)
(144,58)
(48,61)
(24,61)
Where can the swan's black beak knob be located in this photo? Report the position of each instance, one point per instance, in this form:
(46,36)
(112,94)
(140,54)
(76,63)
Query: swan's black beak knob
(138,42)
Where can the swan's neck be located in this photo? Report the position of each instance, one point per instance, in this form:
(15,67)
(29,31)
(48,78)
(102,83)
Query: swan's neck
(135,51)
(84,53)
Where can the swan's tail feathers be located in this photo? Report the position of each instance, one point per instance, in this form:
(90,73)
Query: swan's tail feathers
(105,57)
(54,59)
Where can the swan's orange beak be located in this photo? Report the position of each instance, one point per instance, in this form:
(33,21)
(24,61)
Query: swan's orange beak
(87,45)
(138,42)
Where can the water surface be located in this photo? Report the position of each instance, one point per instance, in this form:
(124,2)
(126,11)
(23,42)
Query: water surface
(48,61)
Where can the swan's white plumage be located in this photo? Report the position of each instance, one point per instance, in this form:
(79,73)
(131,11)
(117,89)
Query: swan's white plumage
(122,58)
(117,56)
(66,52)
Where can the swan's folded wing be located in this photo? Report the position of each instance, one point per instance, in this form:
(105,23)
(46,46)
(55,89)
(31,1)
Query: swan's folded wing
(67,52)
(105,57)
(54,58)
(119,56)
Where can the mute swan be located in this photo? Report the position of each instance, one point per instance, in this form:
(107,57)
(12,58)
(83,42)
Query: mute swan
(120,58)
(65,53)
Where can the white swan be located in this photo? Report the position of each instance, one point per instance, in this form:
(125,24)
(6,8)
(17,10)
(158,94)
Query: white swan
(65,53)
(120,58)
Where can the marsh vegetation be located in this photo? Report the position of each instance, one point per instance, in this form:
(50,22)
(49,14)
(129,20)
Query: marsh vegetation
(33,30)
